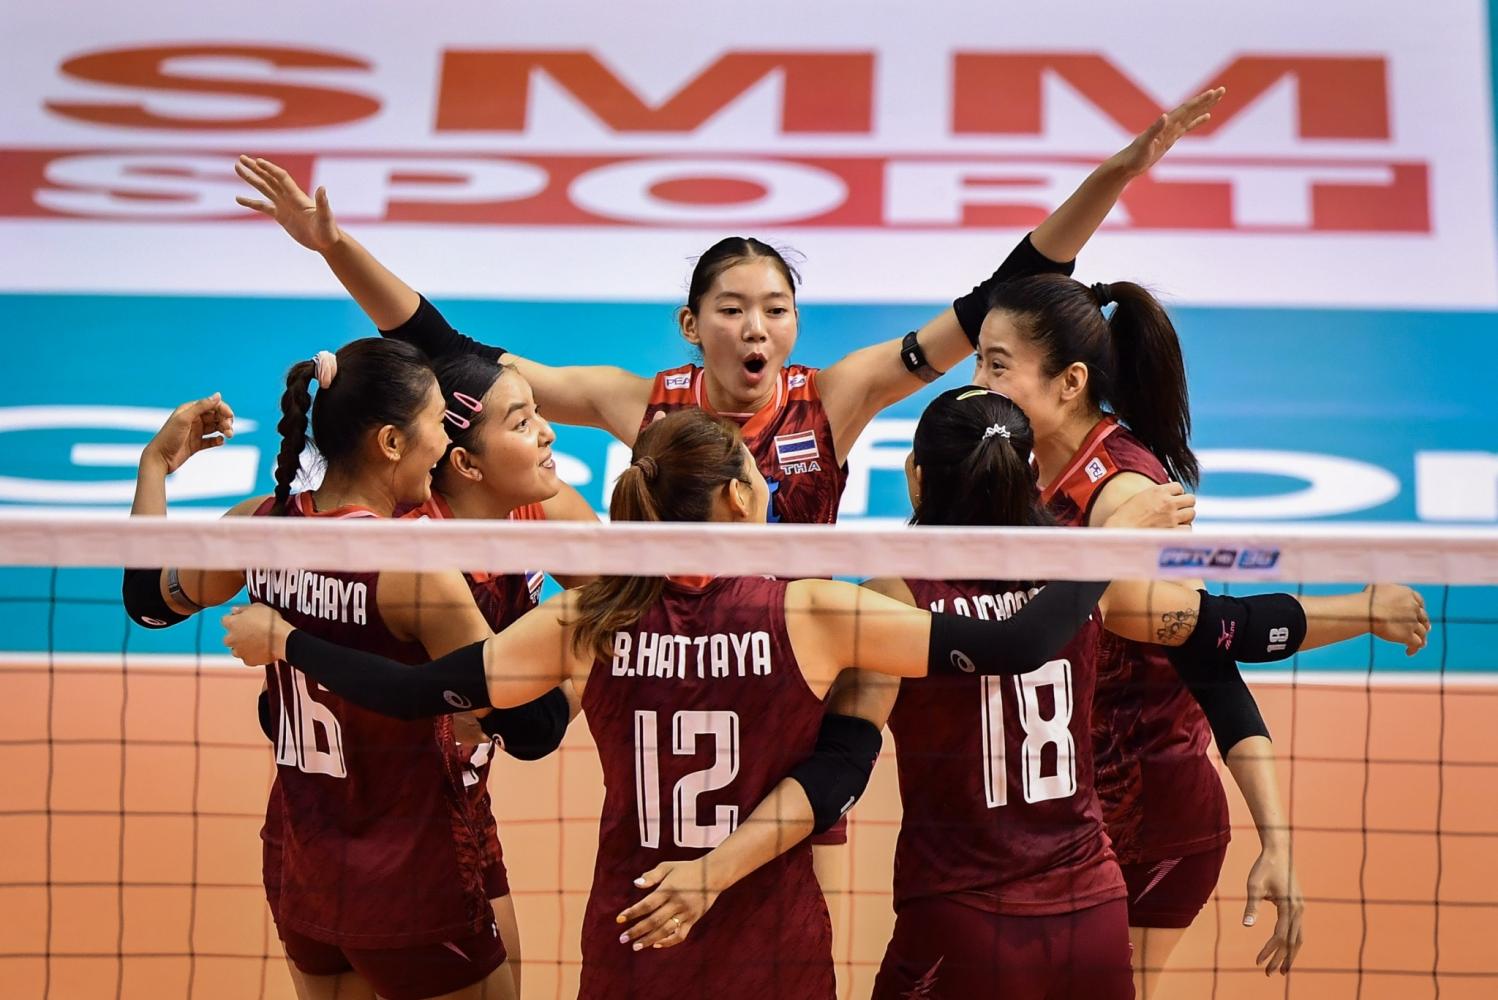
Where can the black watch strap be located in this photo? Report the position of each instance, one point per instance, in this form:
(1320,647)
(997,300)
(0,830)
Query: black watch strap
(915,359)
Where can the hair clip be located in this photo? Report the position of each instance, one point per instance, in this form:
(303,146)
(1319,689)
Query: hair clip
(474,409)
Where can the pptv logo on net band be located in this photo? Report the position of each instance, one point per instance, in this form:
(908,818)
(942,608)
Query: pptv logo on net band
(490,95)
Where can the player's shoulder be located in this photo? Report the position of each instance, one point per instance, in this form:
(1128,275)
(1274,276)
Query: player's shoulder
(1126,453)
(251,506)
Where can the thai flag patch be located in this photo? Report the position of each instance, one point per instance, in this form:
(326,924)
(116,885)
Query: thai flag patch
(796,381)
(682,381)
(793,448)
(534,579)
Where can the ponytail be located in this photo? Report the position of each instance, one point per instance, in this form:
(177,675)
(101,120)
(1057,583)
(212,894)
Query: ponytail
(1134,364)
(296,403)
(973,449)
(680,461)
(1149,383)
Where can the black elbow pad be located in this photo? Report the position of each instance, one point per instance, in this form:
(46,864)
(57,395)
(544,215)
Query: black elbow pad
(533,730)
(141,593)
(1214,680)
(837,772)
(1258,629)
(262,705)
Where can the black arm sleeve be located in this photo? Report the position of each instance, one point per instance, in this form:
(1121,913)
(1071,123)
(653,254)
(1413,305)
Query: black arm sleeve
(1023,261)
(1217,685)
(837,772)
(141,593)
(430,331)
(533,730)
(1015,645)
(453,683)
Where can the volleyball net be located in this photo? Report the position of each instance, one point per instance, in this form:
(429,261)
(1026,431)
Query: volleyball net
(136,774)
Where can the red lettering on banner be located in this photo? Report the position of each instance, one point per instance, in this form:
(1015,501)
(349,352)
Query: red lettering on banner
(301,105)
(490,91)
(893,193)
(1337,97)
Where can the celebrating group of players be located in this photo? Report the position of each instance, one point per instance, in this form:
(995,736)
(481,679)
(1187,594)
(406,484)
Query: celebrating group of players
(1062,823)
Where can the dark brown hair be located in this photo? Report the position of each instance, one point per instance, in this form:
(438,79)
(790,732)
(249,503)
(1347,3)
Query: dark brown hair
(730,252)
(679,463)
(1133,358)
(379,382)
(973,448)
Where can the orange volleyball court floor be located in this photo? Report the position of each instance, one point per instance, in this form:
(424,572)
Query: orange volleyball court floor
(130,858)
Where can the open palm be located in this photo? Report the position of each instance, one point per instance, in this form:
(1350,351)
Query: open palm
(309,221)
(1154,142)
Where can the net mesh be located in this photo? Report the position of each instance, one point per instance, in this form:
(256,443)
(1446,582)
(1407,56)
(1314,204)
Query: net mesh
(136,773)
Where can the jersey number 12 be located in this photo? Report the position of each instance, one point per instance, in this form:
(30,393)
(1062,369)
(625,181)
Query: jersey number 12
(687,727)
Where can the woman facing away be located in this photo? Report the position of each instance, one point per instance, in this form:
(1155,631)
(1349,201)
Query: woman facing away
(1003,870)
(703,695)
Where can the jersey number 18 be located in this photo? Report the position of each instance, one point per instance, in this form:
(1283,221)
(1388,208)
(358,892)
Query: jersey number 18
(1040,732)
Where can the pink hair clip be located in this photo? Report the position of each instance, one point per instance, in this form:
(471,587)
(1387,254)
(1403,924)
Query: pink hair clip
(474,409)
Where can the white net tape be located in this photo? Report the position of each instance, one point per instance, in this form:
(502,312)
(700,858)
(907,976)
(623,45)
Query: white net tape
(1320,554)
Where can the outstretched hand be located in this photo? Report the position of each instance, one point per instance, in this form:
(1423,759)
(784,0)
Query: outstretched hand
(309,221)
(1154,142)
(1273,878)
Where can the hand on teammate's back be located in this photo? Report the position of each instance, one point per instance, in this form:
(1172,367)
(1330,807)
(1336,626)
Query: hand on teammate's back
(1167,505)
(193,427)
(680,895)
(252,633)
(308,221)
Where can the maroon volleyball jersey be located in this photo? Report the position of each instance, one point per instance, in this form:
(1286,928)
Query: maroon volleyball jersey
(1161,795)
(790,439)
(699,714)
(378,845)
(996,775)
(501,598)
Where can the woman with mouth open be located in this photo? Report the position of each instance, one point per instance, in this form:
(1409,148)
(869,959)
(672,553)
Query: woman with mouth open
(799,423)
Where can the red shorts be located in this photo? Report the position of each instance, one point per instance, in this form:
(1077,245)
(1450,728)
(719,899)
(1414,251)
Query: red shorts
(945,949)
(403,973)
(1171,892)
(834,835)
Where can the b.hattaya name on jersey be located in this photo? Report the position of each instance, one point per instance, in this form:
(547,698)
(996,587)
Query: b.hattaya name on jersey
(656,654)
(312,594)
(988,607)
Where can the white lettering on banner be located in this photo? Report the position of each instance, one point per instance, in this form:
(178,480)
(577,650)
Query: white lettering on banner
(772,192)
(225,471)
(912,137)
(367,188)
(867,457)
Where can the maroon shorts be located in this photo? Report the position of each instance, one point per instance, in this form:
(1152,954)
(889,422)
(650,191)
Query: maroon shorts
(1171,892)
(945,949)
(403,973)
(834,835)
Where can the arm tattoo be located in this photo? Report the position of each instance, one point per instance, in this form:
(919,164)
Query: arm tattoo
(1175,627)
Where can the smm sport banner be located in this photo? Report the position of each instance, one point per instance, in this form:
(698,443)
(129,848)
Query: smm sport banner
(561,149)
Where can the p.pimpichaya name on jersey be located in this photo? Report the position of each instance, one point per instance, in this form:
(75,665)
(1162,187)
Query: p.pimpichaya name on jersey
(307,592)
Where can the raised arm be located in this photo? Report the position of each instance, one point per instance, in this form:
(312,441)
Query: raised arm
(592,396)
(158,597)
(857,387)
